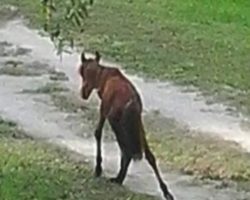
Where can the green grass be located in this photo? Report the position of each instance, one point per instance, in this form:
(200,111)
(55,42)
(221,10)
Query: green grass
(192,153)
(34,170)
(32,10)
(30,170)
(202,43)
(8,129)
(203,157)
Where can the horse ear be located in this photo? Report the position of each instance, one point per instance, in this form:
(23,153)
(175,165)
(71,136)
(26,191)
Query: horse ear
(83,58)
(97,56)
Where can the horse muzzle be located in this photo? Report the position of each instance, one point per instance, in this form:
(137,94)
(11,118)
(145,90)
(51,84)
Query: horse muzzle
(85,91)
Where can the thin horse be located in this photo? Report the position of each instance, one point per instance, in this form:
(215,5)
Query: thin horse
(121,105)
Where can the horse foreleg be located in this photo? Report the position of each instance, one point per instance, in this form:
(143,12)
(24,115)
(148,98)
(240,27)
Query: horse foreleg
(98,137)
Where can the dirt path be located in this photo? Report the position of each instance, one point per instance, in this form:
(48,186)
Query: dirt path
(42,120)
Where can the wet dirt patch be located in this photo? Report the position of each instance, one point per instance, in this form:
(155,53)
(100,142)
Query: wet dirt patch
(61,96)
(13,67)
(69,103)
(4,44)
(84,113)
(48,88)
(9,129)
(9,50)
(15,61)
(58,76)
(157,124)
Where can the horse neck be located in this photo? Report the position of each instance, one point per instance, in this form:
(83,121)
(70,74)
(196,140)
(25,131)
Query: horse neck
(106,74)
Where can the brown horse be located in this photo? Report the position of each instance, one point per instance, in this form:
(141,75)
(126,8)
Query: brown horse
(121,105)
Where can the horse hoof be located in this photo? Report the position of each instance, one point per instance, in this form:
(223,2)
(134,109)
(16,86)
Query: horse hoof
(115,180)
(98,172)
(169,196)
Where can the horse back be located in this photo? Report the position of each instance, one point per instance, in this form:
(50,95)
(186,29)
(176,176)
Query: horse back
(118,92)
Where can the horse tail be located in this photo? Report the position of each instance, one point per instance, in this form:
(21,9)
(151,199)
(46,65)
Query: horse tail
(133,129)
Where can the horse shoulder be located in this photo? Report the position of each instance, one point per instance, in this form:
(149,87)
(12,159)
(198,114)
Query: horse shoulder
(108,90)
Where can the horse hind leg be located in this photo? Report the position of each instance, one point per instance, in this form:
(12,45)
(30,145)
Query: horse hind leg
(152,161)
(125,161)
(125,156)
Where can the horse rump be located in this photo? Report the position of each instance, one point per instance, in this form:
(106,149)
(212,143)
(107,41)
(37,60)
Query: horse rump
(132,128)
